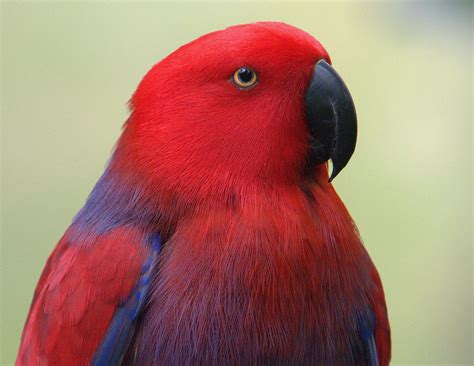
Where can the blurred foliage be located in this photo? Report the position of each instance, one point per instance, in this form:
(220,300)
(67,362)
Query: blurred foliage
(68,69)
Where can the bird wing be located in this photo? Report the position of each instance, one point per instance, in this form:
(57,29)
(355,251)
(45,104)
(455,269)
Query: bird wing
(88,299)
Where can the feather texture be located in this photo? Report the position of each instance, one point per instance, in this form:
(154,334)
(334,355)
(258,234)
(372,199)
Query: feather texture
(121,330)
(78,295)
(261,262)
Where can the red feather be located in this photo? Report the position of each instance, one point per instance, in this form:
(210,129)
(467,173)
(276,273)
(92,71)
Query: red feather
(382,327)
(77,295)
(284,274)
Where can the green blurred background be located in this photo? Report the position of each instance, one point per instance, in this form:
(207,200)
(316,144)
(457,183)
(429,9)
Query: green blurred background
(68,70)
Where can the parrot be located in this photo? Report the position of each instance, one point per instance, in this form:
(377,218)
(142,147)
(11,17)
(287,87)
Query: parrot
(214,235)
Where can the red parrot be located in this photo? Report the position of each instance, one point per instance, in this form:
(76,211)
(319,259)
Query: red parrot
(215,236)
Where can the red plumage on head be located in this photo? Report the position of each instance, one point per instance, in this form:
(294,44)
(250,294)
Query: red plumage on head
(193,133)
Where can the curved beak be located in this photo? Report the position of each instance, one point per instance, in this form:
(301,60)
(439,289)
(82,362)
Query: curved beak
(332,118)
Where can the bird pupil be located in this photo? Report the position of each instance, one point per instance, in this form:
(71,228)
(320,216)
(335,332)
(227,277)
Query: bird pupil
(245,75)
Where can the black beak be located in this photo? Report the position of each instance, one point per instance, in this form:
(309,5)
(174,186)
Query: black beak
(332,118)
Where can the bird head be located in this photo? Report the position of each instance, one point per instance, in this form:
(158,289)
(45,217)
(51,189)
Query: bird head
(255,105)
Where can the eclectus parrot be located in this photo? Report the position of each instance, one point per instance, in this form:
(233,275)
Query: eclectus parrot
(215,236)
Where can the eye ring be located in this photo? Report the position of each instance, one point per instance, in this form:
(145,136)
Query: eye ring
(244,78)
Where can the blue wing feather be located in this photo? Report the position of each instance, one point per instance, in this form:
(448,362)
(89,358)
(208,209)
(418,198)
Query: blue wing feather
(371,347)
(121,330)
(367,329)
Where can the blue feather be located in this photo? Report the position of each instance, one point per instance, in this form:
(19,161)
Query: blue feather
(367,329)
(113,202)
(121,330)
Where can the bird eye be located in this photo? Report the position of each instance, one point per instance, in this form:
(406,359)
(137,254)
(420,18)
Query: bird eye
(244,78)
